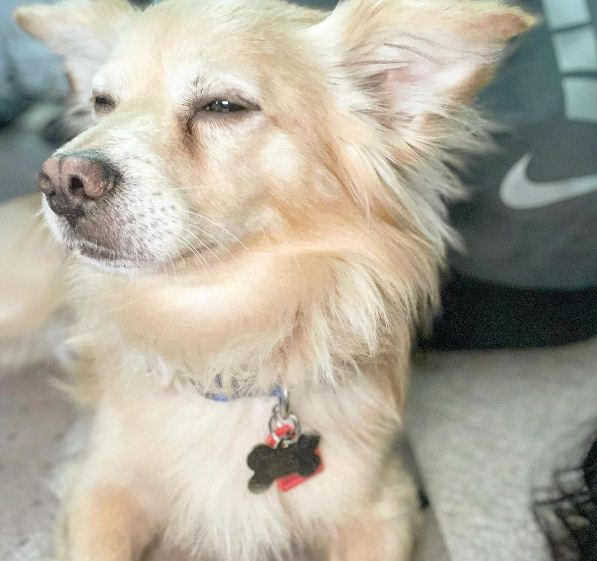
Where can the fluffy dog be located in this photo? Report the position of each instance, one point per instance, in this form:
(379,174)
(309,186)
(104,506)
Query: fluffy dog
(259,203)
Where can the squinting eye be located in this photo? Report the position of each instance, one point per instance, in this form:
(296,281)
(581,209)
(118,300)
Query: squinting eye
(103,103)
(223,106)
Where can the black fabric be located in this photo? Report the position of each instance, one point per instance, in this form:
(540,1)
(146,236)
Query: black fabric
(546,93)
(529,274)
(485,315)
(567,513)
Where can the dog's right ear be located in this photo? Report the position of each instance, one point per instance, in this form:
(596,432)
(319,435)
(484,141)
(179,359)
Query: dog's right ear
(81,31)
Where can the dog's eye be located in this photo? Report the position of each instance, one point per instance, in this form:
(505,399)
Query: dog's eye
(103,103)
(223,106)
(218,109)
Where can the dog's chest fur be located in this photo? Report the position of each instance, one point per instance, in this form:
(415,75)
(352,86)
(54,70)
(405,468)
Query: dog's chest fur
(186,456)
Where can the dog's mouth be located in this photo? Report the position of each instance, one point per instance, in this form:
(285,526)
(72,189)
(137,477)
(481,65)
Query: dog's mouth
(116,244)
(98,252)
(114,259)
(105,257)
(96,242)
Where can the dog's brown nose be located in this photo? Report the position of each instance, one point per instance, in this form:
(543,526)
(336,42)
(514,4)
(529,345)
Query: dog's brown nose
(69,182)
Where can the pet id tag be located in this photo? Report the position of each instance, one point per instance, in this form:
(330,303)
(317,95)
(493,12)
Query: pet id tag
(288,456)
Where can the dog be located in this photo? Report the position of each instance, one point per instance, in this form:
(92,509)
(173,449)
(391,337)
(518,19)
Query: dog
(255,219)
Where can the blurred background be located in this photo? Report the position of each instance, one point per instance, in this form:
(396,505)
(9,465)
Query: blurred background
(514,395)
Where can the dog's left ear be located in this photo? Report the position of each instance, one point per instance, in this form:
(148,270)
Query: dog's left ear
(417,57)
(83,32)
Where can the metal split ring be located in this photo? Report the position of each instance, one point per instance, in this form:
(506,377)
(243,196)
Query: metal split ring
(284,403)
(281,416)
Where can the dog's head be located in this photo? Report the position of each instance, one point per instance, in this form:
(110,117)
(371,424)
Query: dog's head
(216,123)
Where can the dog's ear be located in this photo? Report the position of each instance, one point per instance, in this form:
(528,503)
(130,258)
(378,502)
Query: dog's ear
(416,57)
(81,31)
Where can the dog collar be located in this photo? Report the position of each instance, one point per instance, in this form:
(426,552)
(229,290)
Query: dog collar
(277,391)
(288,457)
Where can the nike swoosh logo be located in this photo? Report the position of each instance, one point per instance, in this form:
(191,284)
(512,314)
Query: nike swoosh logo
(519,192)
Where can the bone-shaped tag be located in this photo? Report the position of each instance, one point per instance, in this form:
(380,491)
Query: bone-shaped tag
(284,464)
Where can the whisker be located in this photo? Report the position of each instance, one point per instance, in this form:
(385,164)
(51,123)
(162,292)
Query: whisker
(204,245)
(217,225)
(194,251)
(212,237)
(173,267)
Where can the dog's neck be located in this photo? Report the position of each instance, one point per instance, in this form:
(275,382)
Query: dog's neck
(295,314)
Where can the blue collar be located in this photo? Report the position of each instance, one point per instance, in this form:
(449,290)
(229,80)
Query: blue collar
(276,391)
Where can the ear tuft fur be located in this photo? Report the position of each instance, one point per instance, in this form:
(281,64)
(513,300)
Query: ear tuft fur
(81,31)
(422,52)
(29,17)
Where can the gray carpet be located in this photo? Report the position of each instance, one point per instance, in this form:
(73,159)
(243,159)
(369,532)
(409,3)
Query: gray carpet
(487,427)
(34,420)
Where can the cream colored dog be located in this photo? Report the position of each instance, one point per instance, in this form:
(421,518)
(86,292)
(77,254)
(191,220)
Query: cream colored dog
(259,204)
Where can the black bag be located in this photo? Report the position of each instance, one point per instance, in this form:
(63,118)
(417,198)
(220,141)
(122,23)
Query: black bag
(529,276)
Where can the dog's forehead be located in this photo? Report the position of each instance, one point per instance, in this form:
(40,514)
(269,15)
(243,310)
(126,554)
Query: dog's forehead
(188,44)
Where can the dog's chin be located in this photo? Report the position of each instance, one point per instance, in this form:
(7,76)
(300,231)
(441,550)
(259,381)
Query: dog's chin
(92,253)
(115,261)
(118,258)
(109,260)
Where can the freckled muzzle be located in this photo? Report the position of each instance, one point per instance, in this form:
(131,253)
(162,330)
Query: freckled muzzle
(112,209)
